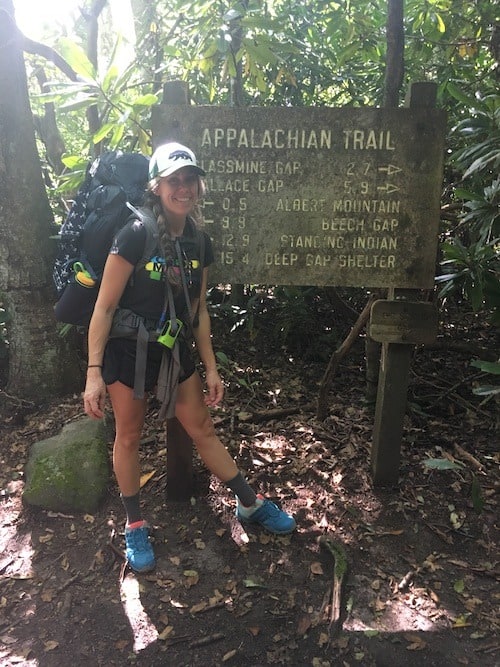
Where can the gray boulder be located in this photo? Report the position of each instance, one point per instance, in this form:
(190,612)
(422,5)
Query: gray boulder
(70,471)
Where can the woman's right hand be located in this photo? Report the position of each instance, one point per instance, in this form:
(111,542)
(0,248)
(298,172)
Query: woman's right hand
(94,396)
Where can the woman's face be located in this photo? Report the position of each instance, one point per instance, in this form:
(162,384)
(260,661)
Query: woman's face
(179,192)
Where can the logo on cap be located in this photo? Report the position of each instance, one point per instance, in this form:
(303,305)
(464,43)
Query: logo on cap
(180,155)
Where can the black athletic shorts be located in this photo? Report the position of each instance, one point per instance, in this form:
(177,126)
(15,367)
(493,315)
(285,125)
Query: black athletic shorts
(119,362)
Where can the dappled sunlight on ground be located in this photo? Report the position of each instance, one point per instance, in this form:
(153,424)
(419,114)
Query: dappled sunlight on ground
(16,549)
(411,612)
(143,629)
(16,554)
(421,586)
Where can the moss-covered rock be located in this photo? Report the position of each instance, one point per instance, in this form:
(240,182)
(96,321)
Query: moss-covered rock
(70,471)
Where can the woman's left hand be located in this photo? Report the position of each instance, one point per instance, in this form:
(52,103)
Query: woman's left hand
(215,388)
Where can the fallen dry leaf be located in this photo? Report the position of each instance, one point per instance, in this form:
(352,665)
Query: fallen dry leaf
(416,642)
(43,539)
(230,654)
(254,582)
(303,625)
(166,632)
(146,477)
(317,568)
(50,645)
(7,639)
(192,577)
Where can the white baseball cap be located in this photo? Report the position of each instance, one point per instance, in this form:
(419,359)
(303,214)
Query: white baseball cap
(171,157)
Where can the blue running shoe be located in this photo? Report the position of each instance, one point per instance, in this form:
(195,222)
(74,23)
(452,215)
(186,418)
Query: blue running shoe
(139,552)
(268,515)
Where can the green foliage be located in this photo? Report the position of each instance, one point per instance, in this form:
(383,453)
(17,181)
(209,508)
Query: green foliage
(442,464)
(76,168)
(475,491)
(489,368)
(244,378)
(471,257)
(297,320)
(301,322)
(481,154)
(474,271)
(116,95)
(492,367)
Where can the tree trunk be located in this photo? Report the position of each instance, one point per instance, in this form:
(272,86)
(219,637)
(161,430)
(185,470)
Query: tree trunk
(40,363)
(394,69)
(237,290)
(394,72)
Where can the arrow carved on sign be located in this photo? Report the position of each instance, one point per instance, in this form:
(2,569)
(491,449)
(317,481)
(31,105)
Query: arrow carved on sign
(390,169)
(388,187)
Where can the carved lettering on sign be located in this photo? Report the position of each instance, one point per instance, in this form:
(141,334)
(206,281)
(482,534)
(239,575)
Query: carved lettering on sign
(368,139)
(251,137)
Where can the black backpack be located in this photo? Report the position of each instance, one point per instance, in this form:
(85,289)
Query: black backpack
(113,182)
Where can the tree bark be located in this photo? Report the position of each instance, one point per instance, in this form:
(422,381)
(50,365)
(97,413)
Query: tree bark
(394,68)
(236,100)
(394,72)
(40,364)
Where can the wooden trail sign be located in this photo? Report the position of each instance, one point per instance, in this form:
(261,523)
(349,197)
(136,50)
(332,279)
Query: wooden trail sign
(317,196)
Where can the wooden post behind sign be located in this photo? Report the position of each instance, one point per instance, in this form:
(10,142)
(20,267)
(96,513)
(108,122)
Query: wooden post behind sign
(179,444)
(392,389)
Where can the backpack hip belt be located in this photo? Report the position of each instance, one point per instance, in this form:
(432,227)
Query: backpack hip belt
(127,324)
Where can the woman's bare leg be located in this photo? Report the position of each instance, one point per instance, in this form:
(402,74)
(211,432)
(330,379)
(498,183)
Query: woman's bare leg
(194,416)
(129,420)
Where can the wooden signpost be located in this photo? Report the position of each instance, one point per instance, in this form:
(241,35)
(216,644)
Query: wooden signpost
(403,322)
(323,196)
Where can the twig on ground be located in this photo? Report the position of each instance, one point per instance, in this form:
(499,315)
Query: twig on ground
(462,454)
(216,605)
(112,546)
(67,583)
(339,572)
(17,399)
(208,639)
(337,356)
(405,582)
(446,538)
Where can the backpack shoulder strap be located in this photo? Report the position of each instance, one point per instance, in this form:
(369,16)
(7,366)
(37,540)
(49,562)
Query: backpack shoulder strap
(201,246)
(151,226)
(200,239)
(146,217)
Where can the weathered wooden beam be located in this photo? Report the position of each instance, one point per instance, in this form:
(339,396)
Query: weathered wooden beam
(392,389)
(179,444)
